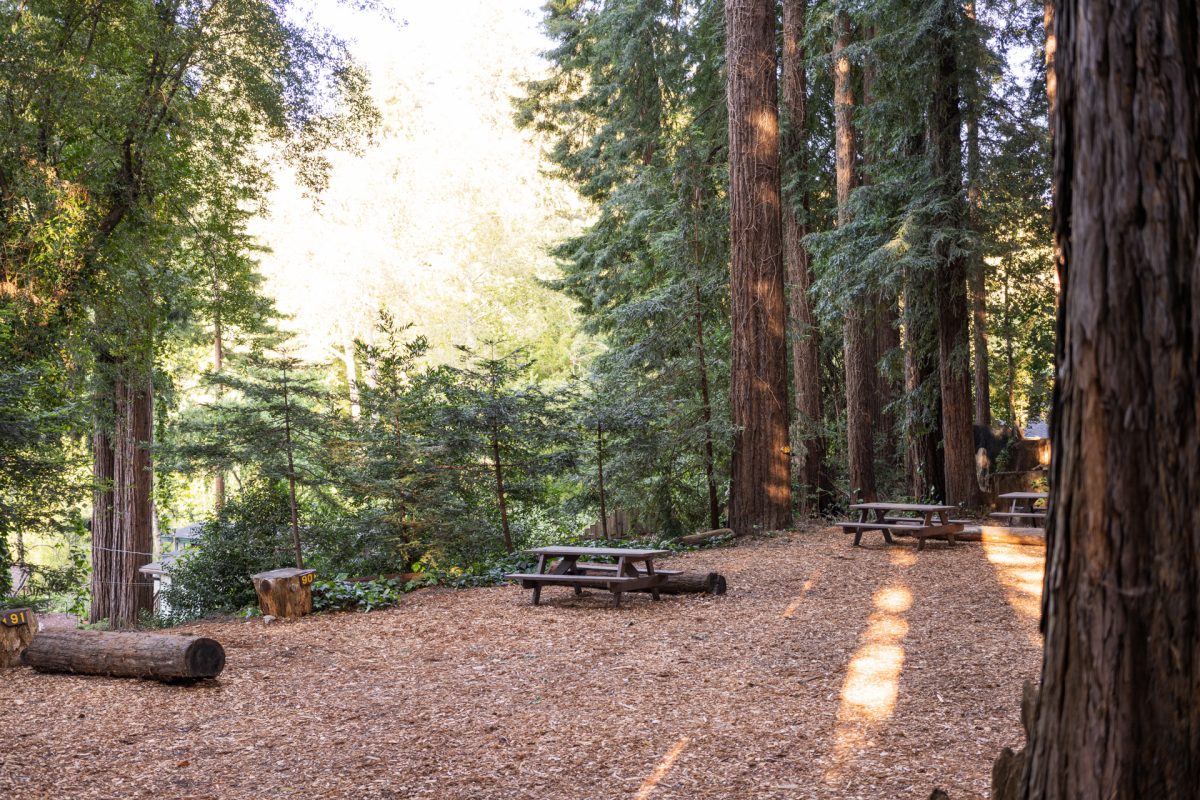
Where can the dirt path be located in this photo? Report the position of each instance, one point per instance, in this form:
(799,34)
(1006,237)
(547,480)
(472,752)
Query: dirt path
(826,672)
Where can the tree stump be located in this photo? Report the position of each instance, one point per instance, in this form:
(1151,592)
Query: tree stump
(18,626)
(164,657)
(285,592)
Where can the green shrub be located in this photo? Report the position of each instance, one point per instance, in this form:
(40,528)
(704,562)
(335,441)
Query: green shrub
(249,535)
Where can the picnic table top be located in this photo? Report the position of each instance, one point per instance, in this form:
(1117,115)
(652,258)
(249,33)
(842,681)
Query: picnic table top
(902,507)
(612,552)
(1025,496)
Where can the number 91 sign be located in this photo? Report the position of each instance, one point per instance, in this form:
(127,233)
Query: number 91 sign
(14,618)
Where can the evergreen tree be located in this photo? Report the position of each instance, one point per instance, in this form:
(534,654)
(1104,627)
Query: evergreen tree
(501,428)
(272,416)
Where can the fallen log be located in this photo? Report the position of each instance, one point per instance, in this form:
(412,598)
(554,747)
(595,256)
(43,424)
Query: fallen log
(164,657)
(285,592)
(692,583)
(704,536)
(18,626)
(997,534)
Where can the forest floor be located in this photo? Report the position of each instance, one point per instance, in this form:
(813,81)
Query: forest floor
(827,671)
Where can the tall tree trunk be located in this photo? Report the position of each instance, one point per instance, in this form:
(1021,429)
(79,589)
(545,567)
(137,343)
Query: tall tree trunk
(809,450)
(923,425)
(600,479)
(978,269)
(287,439)
(761,491)
(954,369)
(501,493)
(886,311)
(710,462)
(218,365)
(351,365)
(122,530)
(859,328)
(1117,715)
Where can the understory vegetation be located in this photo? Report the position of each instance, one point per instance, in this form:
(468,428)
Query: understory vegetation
(148,379)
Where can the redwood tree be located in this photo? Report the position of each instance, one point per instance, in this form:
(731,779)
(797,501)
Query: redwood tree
(815,481)
(760,492)
(1117,714)
(945,164)
(859,330)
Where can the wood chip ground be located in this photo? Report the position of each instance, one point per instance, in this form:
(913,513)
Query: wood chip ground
(827,671)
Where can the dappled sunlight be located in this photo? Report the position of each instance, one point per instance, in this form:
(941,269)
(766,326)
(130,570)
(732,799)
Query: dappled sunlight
(795,604)
(1019,571)
(872,682)
(902,557)
(660,772)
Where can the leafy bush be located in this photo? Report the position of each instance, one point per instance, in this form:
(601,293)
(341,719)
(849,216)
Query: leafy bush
(340,594)
(249,535)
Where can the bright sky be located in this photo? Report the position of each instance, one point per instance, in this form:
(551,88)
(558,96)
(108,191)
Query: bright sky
(447,217)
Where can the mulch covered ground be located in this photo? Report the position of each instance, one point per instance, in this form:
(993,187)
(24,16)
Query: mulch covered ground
(826,672)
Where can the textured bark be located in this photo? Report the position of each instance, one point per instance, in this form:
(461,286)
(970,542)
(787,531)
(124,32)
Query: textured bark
(923,454)
(122,513)
(954,369)
(710,459)
(859,329)
(600,479)
(284,592)
(168,657)
(978,268)
(816,484)
(760,496)
(218,365)
(1117,714)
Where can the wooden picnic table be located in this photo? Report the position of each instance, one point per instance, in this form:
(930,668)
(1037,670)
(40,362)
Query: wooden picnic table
(633,570)
(921,527)
(1023,505)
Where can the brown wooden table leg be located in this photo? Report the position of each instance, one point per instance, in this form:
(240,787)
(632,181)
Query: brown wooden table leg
(881,518)
(650,571)
(945,520)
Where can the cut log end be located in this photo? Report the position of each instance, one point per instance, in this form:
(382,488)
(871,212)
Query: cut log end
(205,658)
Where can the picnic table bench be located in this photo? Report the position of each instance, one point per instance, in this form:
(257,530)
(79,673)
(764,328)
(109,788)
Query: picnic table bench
(633,571)
(919,527)
(1024,505)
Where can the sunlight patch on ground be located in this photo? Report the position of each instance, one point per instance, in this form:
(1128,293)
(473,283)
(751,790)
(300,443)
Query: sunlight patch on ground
(873,677)
(795,604)
(661,770)
(1019,571)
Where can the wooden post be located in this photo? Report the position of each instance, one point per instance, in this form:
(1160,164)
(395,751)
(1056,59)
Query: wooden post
(18,626)
(285,592)
(162,656)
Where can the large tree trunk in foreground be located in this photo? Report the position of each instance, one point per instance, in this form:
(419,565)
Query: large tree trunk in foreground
(954,370)
(816,485)
(167,657)
(859,329)
(122,513)
(760,497)
(1117,714)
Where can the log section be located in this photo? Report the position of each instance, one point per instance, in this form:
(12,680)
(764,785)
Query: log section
(285,592)
(164,657)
